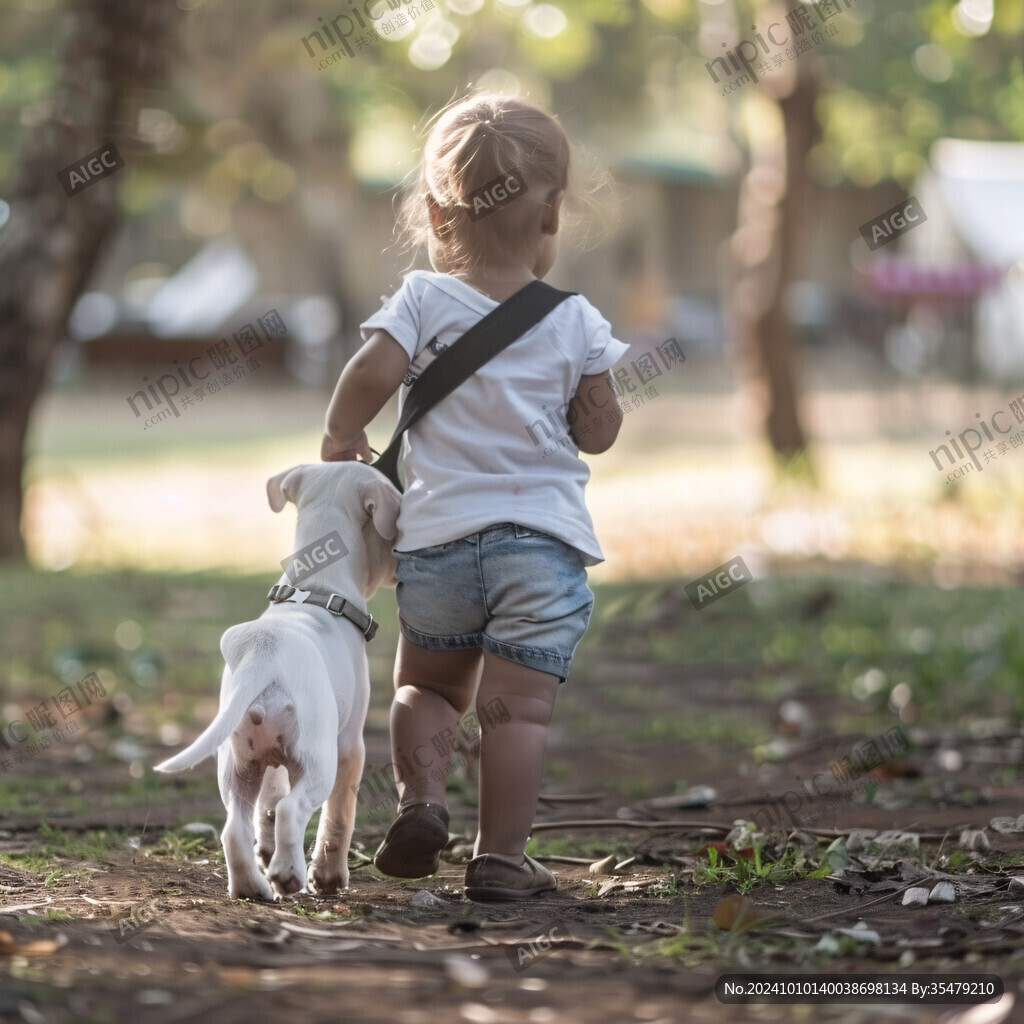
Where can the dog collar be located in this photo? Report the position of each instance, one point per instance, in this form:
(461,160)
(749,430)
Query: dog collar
(337,605)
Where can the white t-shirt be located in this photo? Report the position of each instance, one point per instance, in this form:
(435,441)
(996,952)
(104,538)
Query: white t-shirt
(478,457)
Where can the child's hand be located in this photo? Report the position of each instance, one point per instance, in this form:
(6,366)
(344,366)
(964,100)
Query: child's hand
(333,450)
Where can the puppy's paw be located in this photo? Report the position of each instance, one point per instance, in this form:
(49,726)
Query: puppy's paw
(287,878)
(288,884)
(324,882)
(255,888)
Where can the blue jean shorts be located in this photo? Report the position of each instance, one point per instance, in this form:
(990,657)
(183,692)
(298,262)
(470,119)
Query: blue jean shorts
(507,589)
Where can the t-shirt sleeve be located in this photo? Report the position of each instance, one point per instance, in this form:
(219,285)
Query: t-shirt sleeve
(604,351)
(399,316)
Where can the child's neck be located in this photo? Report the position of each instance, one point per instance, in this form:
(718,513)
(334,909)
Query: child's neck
(498,283)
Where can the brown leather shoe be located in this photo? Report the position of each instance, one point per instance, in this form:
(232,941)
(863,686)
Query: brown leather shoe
(412,846)
(493,876)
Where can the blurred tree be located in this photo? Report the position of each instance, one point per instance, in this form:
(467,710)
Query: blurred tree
(863,90)
(276,147)
(109,53)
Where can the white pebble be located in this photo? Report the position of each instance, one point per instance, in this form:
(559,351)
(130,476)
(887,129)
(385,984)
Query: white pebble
(916,897)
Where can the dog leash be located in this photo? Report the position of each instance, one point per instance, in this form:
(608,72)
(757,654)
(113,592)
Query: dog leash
(337,605)
(491,334)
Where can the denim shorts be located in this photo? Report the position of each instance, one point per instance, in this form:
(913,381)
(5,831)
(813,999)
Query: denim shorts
(507,589)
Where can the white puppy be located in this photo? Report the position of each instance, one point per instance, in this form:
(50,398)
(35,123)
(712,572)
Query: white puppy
(295,689)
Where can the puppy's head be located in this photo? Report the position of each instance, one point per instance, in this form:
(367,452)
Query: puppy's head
(360,502)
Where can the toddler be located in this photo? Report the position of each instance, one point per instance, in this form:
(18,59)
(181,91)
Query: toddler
(493,535)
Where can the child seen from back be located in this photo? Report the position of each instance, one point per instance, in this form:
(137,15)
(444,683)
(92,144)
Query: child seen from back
(493,535)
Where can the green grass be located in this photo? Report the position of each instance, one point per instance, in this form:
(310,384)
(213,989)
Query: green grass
(958,653)
(543,847)
(57,847)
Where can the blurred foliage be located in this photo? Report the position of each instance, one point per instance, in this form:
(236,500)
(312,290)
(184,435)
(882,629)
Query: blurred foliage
(251,118)
(880,644)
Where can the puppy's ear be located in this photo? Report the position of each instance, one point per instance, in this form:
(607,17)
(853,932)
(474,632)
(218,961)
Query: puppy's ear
(284,487)
(381,499)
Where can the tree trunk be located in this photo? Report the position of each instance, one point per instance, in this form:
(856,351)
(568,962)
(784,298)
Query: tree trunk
(763,257)
(110,51)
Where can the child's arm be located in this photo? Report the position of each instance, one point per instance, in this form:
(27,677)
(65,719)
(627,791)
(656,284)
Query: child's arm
(369,379)
(594,393)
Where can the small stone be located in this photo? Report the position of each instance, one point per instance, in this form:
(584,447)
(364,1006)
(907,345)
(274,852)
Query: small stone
(200,828)
(916,897)
(944,892)
(1017,884)
(695,796)
(860,839)
(975,840)
(1008,826)
(862,933)
(426,900)
(466,972)
(897,841)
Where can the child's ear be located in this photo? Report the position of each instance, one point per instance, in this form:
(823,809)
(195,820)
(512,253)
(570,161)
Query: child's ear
(435,214)
(549,222)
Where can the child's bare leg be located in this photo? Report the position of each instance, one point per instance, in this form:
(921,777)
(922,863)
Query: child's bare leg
(512,753)
(433,689)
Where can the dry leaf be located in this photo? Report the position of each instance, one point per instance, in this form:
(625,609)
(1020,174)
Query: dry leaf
(37,947)
(736,913)
(605,866)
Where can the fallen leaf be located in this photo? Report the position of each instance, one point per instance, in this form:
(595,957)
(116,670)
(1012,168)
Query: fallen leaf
(37,947)
(736,913)
(605,866)
(837,855)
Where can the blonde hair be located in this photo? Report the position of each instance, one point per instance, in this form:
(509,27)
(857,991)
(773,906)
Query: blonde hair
(472,142)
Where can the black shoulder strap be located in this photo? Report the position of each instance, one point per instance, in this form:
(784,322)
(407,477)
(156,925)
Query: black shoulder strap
(484,340)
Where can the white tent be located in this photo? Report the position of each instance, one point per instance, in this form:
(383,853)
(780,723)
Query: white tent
(973,196)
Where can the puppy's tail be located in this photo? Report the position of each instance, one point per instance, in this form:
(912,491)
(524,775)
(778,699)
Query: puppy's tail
(214,735)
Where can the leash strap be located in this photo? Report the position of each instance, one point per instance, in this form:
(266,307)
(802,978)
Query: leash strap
(337,605)
(485,339)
